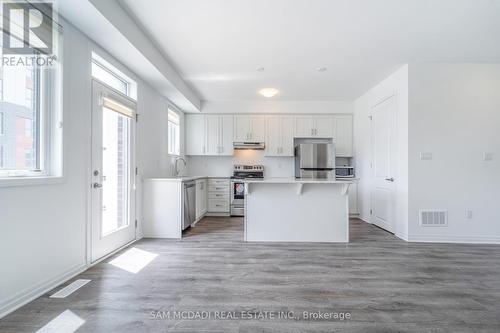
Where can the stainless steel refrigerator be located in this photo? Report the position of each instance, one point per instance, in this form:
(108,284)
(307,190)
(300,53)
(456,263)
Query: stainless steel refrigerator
(315,160)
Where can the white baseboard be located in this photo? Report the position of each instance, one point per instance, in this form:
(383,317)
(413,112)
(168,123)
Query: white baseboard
(364,219)
(402,236)
(38,290)
(454,239)
(29,294)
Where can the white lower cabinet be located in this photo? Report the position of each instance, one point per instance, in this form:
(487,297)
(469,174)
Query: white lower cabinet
(201,198)
(219,196)
(353,199)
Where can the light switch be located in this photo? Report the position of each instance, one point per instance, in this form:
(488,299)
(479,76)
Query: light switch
(425,156)
(487,156)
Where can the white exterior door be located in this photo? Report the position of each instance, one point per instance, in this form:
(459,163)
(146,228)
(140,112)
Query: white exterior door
(384,148)
(113,171)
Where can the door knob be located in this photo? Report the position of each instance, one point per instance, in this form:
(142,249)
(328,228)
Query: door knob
(97,185)
(390,179)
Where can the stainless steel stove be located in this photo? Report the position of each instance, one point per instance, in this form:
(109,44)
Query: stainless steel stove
(240,173)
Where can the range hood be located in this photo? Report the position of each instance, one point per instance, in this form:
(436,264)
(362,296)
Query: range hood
(249,145)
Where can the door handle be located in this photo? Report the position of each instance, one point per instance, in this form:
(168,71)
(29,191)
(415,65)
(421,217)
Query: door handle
(97,185)
(390,179)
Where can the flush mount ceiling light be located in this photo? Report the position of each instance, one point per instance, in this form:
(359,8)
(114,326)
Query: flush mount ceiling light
(260,69)
(268,92)
(321,69)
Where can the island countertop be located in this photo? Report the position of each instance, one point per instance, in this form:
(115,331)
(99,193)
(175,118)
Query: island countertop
(299,181)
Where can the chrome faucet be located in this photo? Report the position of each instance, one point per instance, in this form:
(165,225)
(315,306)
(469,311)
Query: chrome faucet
(176,171)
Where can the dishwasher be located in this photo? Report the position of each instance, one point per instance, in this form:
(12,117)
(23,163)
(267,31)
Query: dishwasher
(189,204)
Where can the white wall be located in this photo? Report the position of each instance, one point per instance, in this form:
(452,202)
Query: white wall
(278,107)
(216,166)
(395,85)
(43,238)
(455,114)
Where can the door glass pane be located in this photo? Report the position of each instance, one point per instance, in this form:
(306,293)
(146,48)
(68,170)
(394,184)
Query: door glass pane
(115,181)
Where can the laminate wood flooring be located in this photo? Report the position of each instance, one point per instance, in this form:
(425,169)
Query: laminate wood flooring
(383,283)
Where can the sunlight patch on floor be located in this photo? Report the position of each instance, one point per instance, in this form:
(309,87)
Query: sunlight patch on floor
(66,322)
(133,260)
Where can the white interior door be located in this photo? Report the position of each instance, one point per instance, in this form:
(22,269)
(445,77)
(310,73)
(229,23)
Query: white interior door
(113,171)
(384,178)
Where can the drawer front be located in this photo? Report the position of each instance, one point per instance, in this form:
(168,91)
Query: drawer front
(219,206)
(218,182)
(219,195)
(218,188)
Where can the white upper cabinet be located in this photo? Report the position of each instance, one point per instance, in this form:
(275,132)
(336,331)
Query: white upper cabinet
(195,134)
(258,133)
(249,128)
(313,126)
(213,134)
(226,135)
(212,131)
(287,136)
(273,135)
(304,126)
(342,132)
(279,136)
(323,126)
(241,128)
(209,134)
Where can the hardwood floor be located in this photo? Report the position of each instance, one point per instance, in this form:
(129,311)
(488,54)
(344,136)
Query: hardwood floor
(385,284)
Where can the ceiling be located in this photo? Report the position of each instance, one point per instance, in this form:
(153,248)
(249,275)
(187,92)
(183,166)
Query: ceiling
(217,45)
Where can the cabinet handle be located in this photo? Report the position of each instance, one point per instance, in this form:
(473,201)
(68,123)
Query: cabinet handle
(277,150)
(312,132)
(203,149)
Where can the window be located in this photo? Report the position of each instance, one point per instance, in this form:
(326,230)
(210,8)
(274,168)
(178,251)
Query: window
(22,112)
(174,134)
(31,117)
(111,76)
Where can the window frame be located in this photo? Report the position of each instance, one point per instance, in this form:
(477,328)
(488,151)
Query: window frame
(171,108)
(49,129)
(102,63)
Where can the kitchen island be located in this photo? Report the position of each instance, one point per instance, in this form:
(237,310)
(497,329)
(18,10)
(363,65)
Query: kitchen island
(296,210)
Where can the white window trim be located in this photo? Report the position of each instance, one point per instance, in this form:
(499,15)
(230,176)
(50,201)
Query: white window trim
(51,134)
(113,70)
(171,107)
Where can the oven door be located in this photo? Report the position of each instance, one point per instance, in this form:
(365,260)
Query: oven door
(237,192)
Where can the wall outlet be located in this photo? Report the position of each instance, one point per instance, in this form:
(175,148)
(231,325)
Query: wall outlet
(468,213)
(487,157)
(425,156)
